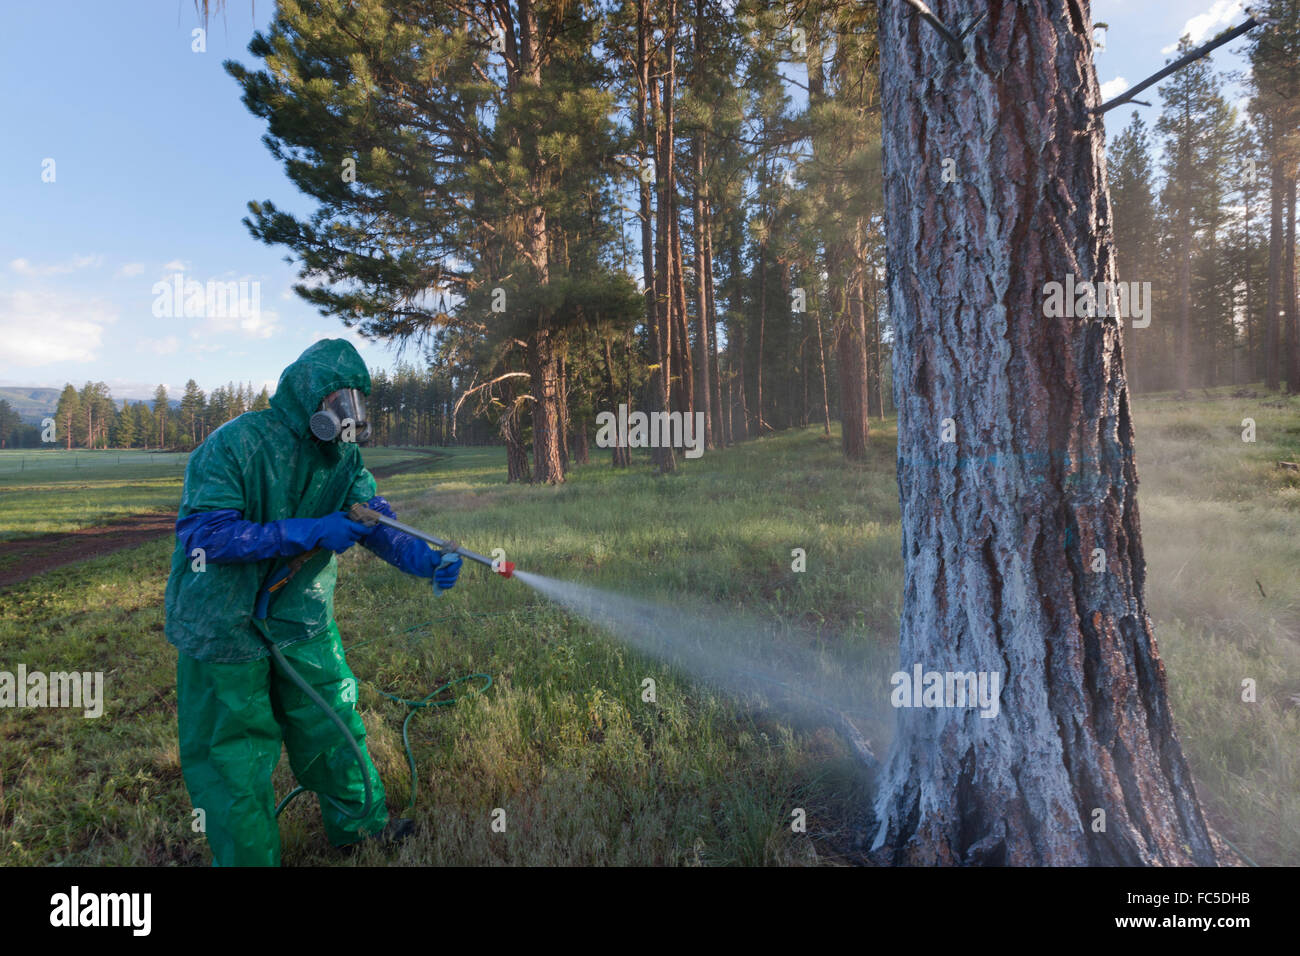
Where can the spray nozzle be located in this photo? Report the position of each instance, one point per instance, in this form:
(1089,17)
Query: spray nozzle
(507,569)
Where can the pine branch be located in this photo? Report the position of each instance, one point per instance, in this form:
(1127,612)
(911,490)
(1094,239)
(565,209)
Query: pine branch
(1178,64)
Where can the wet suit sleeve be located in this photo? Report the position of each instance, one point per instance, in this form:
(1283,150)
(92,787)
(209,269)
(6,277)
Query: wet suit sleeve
(212,515)
(226,538)
(398,548)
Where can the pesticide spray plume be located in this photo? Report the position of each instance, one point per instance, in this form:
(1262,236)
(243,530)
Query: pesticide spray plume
(742,656)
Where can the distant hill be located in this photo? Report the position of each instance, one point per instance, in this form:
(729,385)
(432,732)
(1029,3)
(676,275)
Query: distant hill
(33,404)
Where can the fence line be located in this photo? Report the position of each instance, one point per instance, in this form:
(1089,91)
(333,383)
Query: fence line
(89,460)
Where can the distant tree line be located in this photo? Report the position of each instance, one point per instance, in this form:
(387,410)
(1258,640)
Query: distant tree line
(90,418)
(1205,210)
(407,406)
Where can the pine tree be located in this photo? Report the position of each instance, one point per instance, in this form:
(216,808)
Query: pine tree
(144,424)
(1247,258)
(1133,199)
(10,424)
(491,161)
(68,413)
(160,415)
(124,430)
(192,411)
(1275,73)
(844,178)
(1189,119)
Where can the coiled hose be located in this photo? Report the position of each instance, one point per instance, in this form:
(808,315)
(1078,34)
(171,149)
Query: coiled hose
(274,583)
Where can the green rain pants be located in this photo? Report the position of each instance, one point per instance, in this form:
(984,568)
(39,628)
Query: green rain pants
(232,720)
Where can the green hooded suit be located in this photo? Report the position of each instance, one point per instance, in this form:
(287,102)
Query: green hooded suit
(234,708)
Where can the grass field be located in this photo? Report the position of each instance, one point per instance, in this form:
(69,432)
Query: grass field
(56,490)
(585,771)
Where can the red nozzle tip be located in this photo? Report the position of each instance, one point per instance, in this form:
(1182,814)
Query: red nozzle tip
(507,569)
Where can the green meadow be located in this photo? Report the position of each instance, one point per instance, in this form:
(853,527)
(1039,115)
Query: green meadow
(584,770)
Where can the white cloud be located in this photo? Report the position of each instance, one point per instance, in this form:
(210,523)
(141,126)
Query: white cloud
(26,268)
(136,391)
(39,328)
(174,266)
(1113,88)
(225,306)
(131,269)
(1204,25)
(163,346)
(261,324)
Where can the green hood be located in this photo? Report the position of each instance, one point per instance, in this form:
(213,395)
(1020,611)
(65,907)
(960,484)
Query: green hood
(267,466)
(326,366)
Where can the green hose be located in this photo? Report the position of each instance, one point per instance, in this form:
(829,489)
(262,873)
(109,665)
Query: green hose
(328,711)
(415,707)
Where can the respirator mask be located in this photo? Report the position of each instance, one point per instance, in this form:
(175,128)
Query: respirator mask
(340,412)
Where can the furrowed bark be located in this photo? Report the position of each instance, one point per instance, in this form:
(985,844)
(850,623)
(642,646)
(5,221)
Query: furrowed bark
(1000,525)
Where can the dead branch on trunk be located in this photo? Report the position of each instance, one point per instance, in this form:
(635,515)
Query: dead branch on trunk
(1177,65)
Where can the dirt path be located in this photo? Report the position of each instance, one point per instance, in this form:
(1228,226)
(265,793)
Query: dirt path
(20,560)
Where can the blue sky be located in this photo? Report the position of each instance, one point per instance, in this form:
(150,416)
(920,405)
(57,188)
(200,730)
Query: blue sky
(155,159)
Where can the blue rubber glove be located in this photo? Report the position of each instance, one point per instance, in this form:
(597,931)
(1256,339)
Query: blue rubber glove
(447,571)
(398,548)
(226,538)
(338,532)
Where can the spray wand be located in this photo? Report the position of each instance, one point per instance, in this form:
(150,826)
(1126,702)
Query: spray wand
(367,516)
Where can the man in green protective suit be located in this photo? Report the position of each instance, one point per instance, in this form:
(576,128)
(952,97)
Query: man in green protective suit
(264,499)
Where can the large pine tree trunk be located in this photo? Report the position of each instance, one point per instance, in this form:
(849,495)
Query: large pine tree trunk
(619,453)
(999,526)
(1272,337)
(1289,293)
(718,435)
(647,88)
(699,225)
(661,104)
(821,368)
(851,362)
(543,369)
(683,363)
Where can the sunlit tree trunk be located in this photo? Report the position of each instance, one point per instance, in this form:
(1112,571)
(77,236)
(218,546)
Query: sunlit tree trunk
(1273,297)
(1004,525)
(1289,293)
